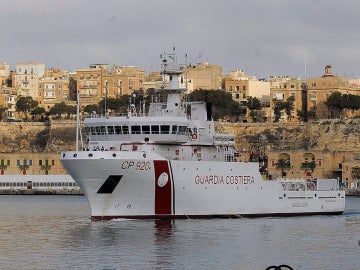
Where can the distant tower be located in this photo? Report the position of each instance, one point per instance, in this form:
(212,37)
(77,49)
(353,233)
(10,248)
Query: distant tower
(328,71)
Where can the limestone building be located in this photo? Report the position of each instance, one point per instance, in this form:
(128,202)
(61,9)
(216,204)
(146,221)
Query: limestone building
(26,78)
(96,82)
(319,89)
(203,76)
(242,86)
(284,87)
(7,103)
(5,78)
(53,88)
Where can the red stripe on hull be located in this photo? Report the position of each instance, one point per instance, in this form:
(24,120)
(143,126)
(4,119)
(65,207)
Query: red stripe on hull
(163,188)
(216,216)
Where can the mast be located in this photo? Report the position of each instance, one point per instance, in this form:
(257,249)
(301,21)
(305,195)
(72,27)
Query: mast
(77,120)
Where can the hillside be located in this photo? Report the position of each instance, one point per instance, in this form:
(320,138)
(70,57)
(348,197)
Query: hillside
(332,135)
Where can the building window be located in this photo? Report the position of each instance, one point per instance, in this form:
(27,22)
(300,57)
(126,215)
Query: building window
(230,88)
(313,84)
(244,87)
(237,88)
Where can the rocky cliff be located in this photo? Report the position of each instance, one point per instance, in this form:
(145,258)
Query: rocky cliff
(319,135)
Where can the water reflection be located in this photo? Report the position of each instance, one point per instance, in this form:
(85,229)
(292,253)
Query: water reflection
(163,230)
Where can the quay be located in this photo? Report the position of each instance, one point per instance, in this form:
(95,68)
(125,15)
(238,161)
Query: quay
(38,185)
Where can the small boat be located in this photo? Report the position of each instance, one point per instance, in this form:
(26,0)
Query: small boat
(169,162)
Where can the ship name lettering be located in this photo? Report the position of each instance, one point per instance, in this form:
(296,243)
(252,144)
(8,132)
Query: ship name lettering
(209,179)
(228,179)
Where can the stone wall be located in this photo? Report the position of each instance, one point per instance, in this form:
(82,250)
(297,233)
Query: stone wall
(335,145)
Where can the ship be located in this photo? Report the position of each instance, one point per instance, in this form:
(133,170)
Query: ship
(169,162)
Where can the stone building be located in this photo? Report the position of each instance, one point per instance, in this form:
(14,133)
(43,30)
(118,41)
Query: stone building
(96,82)
(242,86)
(203,76)
(285,87)
(26,78)
(53,88)
(5,77)
(7,103)
(90,83)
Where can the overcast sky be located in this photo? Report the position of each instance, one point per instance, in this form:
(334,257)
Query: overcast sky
(260,37)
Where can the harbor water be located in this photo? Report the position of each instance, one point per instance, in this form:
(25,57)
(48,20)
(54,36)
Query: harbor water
(55,232)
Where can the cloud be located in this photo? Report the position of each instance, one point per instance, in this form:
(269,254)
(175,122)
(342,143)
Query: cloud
(273,37)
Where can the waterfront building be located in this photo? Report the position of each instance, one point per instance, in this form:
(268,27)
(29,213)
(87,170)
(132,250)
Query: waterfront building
(26,78)
(203,76)
(284,87)
(90,83)
(5,78)
(30,163)
(319,89)
(96,82)
(53,88)
(7,103)
(242,86)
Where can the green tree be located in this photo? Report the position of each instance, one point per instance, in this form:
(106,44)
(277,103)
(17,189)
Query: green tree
(222,103)
(25,105)
(2,112)
(282,165)
(288,106)
(308,166)
(91,108)
(70,111)
(355,173)
(46,167)
(253,103)
(278,107)
(37,112)
(3,166)
(58,109)
(254,106)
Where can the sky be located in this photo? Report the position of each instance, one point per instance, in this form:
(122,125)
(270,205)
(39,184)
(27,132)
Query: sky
(261,37)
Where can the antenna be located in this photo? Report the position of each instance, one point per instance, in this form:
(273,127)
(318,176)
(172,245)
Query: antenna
(186,79)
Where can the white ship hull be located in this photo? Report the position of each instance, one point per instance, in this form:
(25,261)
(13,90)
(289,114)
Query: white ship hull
(137,185)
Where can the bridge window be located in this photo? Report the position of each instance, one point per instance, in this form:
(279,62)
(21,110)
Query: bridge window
(135,130)
(118,130)
(110,129)
(145,129)
(182,129)
(125,129)
(154,129)
(165,129)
